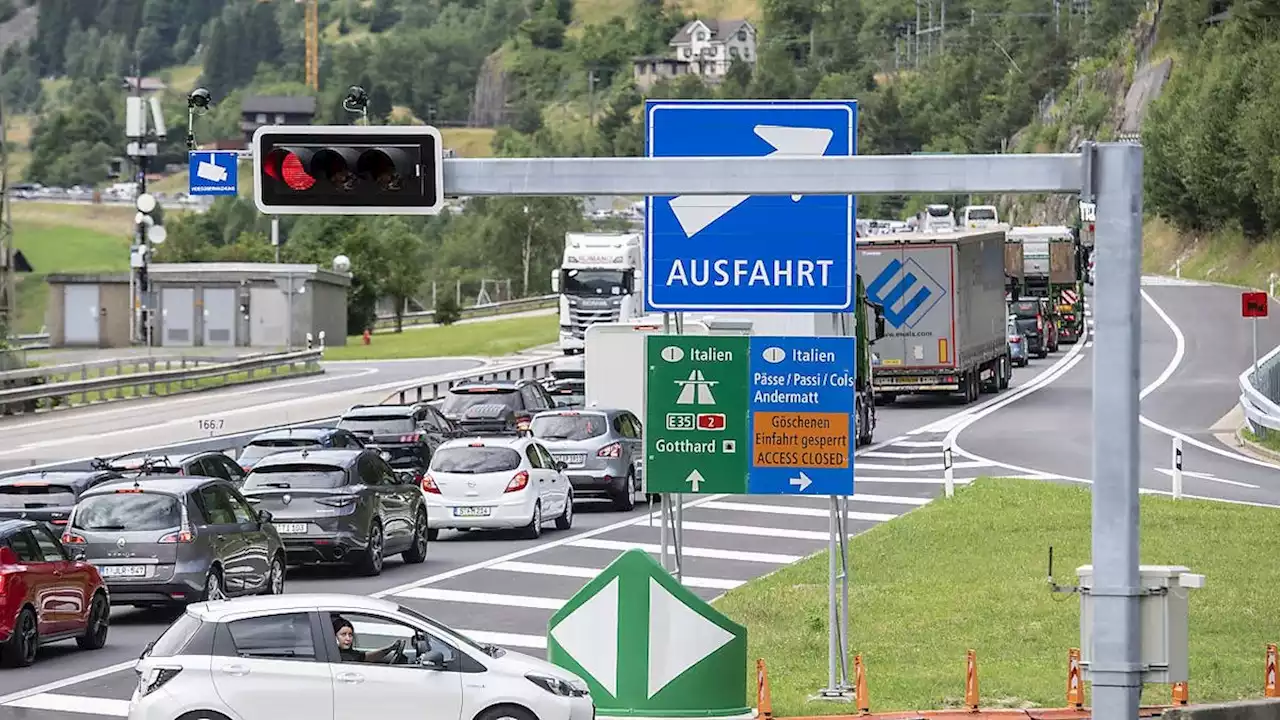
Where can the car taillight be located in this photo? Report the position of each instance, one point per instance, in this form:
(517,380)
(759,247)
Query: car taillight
(339,501)
(1015,339)
(246,468)
(1039,323)
(612,450)
(429,485)
(413,438)
(154,678)
(519,482)
(1069,318)
(185,535)
(70,538)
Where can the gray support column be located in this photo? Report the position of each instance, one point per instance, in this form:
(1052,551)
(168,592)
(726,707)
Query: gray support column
(1114,669)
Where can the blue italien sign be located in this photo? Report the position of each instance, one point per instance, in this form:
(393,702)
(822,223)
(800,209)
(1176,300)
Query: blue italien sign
(802,415)
(213,172)
(750,253)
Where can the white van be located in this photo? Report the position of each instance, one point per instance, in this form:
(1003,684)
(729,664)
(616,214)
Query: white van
(937,218)
(980,216)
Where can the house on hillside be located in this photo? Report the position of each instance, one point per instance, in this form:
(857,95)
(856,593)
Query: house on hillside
(259,110)
(706,48)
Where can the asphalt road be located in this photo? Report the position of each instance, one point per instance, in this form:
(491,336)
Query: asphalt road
(1194,347)
(504,590)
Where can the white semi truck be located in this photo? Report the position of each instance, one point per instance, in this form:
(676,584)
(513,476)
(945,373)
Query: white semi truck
(601,280)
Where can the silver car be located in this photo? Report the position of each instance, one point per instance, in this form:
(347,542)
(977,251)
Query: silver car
(603,451)
(174,540)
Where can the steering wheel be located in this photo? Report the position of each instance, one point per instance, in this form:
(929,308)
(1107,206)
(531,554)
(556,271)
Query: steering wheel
(396,654)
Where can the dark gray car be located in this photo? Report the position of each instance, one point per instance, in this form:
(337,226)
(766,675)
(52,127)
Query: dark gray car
(603,451)
(340,506)
(173,540)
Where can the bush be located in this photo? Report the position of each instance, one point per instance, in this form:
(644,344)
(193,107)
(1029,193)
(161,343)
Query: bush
(447,310)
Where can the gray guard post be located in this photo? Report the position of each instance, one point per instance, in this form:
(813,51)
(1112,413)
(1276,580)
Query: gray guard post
(1110,173)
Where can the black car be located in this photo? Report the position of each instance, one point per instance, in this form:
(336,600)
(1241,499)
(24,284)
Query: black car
(204,464)
(406,435)
(340,506)
(568,394)
(496,407)
(48,496)
(274,441)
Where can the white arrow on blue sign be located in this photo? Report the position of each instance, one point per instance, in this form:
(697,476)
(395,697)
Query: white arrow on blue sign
(751,253)
(213,172)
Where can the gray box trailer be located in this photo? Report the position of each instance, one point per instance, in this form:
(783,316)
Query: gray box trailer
(944,309)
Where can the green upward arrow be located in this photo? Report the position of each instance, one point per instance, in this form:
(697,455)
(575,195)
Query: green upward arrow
(648,646)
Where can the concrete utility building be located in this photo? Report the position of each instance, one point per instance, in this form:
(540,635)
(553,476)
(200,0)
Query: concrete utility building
(204,305)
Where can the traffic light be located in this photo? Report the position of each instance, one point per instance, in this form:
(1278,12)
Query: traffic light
(348,170)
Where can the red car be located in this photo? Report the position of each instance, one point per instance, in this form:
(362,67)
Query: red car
(46,595)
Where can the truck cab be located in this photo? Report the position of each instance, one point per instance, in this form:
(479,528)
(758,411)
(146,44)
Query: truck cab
(599,281)
(979,216)
(937,218)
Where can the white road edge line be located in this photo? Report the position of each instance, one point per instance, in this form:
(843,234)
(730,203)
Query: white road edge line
(54,702)
(64,682)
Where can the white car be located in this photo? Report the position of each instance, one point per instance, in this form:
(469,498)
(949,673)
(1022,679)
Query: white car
(277,657)
(496,483)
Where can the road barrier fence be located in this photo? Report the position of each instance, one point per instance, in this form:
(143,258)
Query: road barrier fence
(1260,395)
(506,307)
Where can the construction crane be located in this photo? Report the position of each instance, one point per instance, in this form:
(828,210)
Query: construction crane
(312,28)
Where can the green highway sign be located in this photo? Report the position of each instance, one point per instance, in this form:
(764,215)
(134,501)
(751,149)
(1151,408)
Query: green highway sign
(695,433)
(648,647)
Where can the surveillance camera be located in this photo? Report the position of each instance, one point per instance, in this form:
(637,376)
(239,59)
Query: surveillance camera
(199,100)
(357,100)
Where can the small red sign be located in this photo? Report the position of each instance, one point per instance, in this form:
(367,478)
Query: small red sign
(1253,304)
(711,421)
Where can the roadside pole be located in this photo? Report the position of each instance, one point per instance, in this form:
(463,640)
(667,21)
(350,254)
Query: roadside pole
(1176,464)
(948,471)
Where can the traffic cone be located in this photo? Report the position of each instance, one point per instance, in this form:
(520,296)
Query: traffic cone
(860,686)
(764,701)
(1180,693)
(1075,689)
(1270,688)
(971,681)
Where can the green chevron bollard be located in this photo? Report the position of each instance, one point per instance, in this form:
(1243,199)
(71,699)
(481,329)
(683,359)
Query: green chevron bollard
(649,648)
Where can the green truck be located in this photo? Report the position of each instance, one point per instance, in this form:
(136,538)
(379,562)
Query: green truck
(1046,261)
(869,323)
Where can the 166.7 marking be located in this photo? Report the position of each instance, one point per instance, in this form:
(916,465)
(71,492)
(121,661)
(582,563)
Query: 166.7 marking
(213,425)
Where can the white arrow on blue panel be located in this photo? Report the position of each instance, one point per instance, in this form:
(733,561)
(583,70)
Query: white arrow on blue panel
(696,212)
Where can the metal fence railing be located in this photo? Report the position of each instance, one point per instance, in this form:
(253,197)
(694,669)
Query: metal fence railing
(507,307)
(31,390)
(534,369)
(1260,395)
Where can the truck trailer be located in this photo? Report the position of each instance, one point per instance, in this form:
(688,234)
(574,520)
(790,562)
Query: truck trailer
(942,299)
(599,281)
(1048,262)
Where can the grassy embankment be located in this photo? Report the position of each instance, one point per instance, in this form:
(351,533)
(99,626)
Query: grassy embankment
(969,573)
(484,338)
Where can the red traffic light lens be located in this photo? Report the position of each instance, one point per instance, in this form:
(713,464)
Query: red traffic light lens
(286,167)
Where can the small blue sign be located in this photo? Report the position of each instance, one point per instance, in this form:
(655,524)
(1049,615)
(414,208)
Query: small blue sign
(772,253)
(214,172)
(802,407)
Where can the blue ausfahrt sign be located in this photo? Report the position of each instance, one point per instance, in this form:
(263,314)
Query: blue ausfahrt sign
(213,172)
(802,411)
(743,253)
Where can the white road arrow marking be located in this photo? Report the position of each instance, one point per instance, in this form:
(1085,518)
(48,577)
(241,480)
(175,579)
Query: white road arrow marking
(1209,477)
(696,212)
(695,479)
(802,482)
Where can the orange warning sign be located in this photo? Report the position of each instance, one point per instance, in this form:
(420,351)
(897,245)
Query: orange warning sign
(801,439)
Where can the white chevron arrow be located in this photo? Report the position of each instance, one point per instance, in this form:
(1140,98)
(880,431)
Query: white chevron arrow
(696,212)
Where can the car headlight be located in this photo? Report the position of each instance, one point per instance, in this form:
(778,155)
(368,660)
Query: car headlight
(559,686)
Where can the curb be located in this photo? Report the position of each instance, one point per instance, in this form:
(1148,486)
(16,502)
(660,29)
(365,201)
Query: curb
(1257,450)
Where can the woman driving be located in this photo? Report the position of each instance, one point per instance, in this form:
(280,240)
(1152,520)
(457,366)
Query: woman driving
(346,637)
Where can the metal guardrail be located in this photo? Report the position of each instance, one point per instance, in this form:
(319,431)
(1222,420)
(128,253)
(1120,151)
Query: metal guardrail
(100,368)
(32,341)
(506,307)
(1260,394)
(28,399)
(535,368)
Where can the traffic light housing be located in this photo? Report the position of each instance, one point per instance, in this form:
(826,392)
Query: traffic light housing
(348,170)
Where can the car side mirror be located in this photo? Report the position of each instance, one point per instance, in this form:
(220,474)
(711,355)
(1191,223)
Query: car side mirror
(879,324)
(78,555)
(264,515)
(433,659)
(562,465)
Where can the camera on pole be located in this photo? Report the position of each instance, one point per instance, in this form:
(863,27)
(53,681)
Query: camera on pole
(348,170)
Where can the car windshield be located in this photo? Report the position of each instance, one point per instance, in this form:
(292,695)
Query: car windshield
(378,424)
(259,449)
(295,475)
(569,426)
(475,460)
(939,211)
(1026,310)
(593,282)
(36,495)
(459,401)
(128,510)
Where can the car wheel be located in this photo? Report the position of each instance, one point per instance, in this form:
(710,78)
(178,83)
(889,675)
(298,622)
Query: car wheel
(95,631)
(565,521)
(625,501)
(275,577)
(213,588)
(506,712)
(371,559)
(20,649)
(533,530)
(418,551)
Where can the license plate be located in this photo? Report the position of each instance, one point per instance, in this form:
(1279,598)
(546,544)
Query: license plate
(291,528)
(576,459)
(471,511)
(122,570)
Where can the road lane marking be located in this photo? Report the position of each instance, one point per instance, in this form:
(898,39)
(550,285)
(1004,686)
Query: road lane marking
(793,510)
(710,553)
(536,642)
(482,598)
(64,682)
(752,531)
(1209,477)
(577,571)
(73,704)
